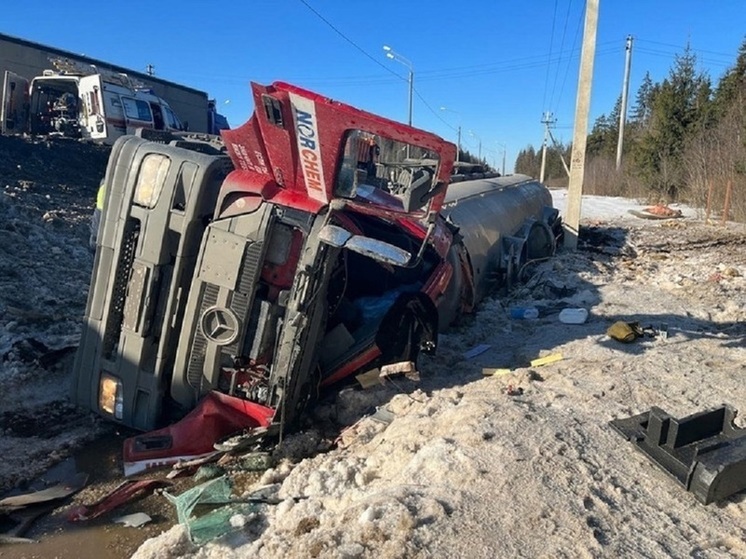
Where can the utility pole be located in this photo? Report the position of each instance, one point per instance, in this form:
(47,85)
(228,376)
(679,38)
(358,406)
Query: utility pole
(546,120)
(479,139)
(411,89)
(625,92)
(580,134)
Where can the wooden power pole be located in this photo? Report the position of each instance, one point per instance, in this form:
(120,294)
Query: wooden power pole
(580,133)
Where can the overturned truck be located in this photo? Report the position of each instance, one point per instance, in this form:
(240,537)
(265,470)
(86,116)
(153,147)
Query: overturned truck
(321,241)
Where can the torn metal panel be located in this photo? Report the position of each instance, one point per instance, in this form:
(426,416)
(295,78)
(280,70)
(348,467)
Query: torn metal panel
(704,451)
(59,491)
(123,493)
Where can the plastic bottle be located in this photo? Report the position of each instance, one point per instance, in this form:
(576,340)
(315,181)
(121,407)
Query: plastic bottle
(524,312)
(573,316)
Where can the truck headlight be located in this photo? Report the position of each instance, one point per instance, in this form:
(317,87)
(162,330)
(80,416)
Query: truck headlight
(151,178)
(110,397)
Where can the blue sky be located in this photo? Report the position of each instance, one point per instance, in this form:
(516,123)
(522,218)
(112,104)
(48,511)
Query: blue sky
(495,66)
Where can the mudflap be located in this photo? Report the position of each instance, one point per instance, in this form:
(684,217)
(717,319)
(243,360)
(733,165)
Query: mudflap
(705,452)
(216,416)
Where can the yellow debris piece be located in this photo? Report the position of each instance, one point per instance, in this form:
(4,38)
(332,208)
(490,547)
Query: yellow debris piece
(495,372)
(369,379)
(546,360)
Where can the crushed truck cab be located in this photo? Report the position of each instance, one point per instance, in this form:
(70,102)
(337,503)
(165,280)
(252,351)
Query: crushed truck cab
(321,242)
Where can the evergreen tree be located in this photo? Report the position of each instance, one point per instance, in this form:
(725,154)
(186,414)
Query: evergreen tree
(678,108)
(527,163)
(604,135)
(641,111)
(731,89)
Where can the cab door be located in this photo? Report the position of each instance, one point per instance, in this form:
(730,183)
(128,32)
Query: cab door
(14,109)
(92,116)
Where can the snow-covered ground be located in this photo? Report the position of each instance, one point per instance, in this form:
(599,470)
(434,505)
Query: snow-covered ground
(466,470)
(595,208)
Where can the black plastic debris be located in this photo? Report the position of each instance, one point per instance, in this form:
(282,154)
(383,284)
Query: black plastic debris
(704,452)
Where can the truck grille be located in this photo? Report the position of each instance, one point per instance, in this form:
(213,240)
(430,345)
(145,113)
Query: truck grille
(240,304)
(119,291)
(243,296)
(199,344)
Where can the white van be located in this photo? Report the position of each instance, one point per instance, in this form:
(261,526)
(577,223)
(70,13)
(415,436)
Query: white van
(100,106)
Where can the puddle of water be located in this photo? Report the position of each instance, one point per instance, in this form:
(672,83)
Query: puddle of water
(100,537)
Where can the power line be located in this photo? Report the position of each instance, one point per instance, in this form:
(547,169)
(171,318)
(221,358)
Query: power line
(671,55)
(379,63)
(574,42)
(562,46)
(346,38)
(549,58)
(681,48)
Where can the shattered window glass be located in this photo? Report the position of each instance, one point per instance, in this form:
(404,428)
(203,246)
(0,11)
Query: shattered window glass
(385,172)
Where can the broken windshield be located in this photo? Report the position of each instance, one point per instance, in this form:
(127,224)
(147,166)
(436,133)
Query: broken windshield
(386,172)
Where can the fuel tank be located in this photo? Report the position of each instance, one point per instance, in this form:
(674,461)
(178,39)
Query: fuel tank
(494,214)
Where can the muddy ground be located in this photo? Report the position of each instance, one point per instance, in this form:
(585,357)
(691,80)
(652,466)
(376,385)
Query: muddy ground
(517,465)
(47,193)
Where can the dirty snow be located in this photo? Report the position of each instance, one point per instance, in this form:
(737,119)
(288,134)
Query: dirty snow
(465,470)
(47,191)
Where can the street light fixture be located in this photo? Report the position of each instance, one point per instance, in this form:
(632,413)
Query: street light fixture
(390,53)
(458,137)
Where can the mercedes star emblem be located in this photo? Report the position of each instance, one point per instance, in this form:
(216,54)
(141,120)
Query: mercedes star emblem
(219,325)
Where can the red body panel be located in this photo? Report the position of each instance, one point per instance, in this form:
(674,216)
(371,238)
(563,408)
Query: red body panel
(216,416)
(302,156)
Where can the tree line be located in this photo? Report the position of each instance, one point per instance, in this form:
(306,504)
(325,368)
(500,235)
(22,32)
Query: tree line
(684,140)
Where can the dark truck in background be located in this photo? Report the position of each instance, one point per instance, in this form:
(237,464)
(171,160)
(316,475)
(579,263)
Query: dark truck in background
(321,241)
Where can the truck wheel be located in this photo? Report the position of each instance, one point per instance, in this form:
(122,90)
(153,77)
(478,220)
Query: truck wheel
(540,242)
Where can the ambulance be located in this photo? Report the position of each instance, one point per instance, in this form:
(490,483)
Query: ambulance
(79,100)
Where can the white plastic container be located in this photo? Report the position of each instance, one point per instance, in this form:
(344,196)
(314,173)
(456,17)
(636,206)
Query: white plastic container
(573,316)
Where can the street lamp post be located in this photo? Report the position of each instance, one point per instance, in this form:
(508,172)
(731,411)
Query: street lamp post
(390,53)
(473,135)
(458,133)
(505,149)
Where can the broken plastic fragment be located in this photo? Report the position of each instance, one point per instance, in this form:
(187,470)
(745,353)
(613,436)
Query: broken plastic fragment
(490,372)
(704,452)
(134,520)
(215,523)
(547,360)
(478,350)
(383,415)
(369,379)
